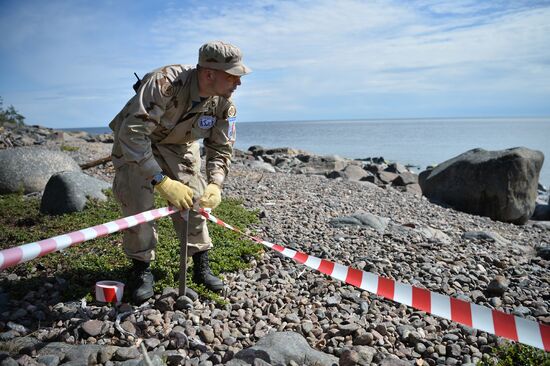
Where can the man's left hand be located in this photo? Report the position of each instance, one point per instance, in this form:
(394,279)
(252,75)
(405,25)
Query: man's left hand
(212,196)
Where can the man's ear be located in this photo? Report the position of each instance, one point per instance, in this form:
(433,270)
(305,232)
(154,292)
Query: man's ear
(211,74)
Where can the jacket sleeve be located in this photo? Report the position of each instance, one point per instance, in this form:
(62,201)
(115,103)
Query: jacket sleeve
(142,116)
(219,145)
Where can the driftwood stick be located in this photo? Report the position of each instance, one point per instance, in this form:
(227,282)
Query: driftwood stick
(97,162)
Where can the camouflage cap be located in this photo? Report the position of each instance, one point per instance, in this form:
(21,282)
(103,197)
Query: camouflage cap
(219,55)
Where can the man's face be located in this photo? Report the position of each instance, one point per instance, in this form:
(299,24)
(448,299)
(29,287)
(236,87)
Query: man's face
(224,84)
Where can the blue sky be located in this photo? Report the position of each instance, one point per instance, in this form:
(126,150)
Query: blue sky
(71,63)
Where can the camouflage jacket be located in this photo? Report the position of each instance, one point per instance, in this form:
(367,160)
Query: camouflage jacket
(167,110)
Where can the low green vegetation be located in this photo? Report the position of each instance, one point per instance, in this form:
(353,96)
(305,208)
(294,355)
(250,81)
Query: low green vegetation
(68,148)
(517,354)
(83,264)
(10,115)
(99,259)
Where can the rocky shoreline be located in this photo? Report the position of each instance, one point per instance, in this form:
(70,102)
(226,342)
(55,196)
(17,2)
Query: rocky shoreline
(313,204)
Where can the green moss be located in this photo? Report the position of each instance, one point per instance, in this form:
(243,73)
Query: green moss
(83,264)
(69,148)
(517,355)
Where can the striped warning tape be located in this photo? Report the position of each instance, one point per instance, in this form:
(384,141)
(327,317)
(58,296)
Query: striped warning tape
(472,315)
(460,311)
(23,253)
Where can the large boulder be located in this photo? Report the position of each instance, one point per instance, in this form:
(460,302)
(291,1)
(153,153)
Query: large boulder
(260,165)
(500,184)
(28,169)
(68,192)
(316,164)
(280,348)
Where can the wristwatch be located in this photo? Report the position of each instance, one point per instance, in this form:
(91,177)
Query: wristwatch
(157,178)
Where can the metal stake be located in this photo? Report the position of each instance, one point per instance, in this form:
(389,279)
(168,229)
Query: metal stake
(183,253)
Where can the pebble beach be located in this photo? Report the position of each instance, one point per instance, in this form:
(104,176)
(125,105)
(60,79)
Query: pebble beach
(494,264)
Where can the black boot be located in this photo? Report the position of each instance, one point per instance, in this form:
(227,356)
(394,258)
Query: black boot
(202,273)
(144,282)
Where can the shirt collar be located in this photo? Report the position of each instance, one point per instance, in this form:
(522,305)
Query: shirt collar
(194,93)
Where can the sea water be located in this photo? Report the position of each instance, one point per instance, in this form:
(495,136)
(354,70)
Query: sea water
(416,142)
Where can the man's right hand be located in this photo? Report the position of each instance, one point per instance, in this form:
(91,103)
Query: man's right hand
(175,192)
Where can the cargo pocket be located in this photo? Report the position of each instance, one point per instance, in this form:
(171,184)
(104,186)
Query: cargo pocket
(120,189)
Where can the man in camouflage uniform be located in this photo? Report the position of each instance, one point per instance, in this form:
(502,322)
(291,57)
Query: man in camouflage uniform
(156,147)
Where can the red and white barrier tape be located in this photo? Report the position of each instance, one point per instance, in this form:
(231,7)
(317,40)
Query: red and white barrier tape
(23,253)
(472,315)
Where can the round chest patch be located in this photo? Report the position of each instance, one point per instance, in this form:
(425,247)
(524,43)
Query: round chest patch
(207,122)
(232,111)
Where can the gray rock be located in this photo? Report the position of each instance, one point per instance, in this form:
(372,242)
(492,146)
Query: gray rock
(376,222)
(363,307)
(284,150)
(260,165)
(192,294)
(9,335)
(522,311)
(8,361)
(404,179)
(292,318)
(256,150)
(363,340)
(174,357)
(155,360)
(29,168)
(151,343)
(58,349)
(413,189)
(18,328)
(501,185)
(126,353)
(395,362)
(348,357)
(396,168)
(178,336)
(333,300)
(260,362)
(106,353)
(365,353)
(485,235)
(280,348)
(498,286)
(432,235)
(165,304)
(207,334)
(86,352)
(68,192)
(23,345)
(26,360)
(353,173)
(362,218)
(541,213)
(387,177)
(346,328)
(543,251)
(344,220)
(133,362)
(183,302)
(314,164)
(93,327)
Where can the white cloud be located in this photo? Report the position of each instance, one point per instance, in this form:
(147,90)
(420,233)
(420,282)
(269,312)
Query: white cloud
(371,45)
(305,54)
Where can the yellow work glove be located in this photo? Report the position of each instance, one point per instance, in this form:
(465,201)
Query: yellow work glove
(212,196)
(175,192)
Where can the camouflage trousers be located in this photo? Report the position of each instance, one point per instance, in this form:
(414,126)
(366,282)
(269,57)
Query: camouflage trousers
(134,192)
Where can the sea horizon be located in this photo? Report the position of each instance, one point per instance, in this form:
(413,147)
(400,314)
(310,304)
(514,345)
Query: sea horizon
(416,142)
